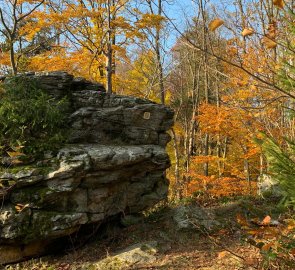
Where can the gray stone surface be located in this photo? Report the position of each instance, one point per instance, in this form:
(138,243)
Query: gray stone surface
(193,217)
(114,163)
(267,185)
(141,253)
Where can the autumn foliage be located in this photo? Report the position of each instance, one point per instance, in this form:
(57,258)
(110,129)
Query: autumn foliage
(225,76)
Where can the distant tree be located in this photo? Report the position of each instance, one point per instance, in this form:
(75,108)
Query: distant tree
(14,14)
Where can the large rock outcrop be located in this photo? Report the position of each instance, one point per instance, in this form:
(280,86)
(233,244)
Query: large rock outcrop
(113,164)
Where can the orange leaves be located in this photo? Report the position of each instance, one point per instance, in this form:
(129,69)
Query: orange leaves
(203,159)
(219,187)
(235,125)
(268,43)
(266,221)
(279,3)
(213,119)
(247,32)
(225,121)
(271,236)
(290,224)
(269,39)
(214,24)
(252,152)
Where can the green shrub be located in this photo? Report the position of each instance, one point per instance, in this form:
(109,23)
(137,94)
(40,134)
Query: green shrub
(30,119)
(282,167)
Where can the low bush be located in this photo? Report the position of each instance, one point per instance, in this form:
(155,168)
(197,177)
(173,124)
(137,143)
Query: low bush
(31,121)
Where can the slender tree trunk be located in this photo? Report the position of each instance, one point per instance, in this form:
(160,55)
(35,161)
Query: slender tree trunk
(159,57)
(109,53)
(206,80)
(206,152)
(12,60)
(261,167)
(224,153)
(176,168)
(247,170)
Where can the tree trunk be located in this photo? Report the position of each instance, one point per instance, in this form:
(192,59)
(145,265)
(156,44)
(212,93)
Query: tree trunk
(159,57)
(109,53)
(12,59)
(109,71)
(176,168)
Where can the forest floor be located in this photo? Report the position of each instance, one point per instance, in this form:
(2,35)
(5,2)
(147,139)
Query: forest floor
(225,248)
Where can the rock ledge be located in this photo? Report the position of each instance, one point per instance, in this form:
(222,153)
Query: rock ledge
(114,164)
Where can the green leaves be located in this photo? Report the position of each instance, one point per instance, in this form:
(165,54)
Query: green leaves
(282,167)
(30,118)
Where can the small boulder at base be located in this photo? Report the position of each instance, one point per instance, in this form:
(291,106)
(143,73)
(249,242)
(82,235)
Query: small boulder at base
(141,253)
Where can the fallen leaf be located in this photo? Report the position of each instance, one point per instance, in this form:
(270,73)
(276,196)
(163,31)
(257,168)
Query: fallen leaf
(222,254)
(214,24)
(250,261)
(267,247)
(266,221)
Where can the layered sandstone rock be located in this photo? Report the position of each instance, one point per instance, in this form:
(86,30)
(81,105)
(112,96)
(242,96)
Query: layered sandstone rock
(114,163)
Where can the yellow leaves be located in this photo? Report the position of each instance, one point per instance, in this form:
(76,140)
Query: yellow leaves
(203,159)
(15,157)
(247,32)
(269,43)
(253,87)
(214,24)
(279,3)
(150,21)
(290,224)
(178,129)
(21,2)
(15,154)
(121,22)
(232,51)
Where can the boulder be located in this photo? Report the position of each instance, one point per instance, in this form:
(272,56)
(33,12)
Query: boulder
(194,217)
(113,165)
(141,253)
(267,185)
